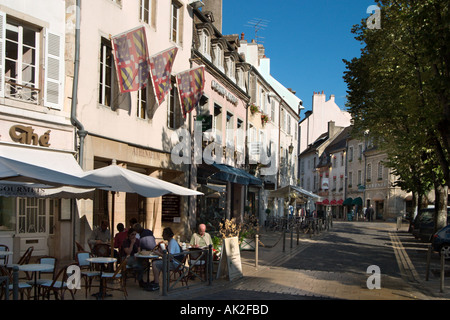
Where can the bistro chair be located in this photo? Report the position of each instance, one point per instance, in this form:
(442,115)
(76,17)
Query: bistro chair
(4,259)
(119,275)
(79,246)
(45,260)
(197,263)
(24,288)
(181,271)
(58,285)
(25,259)
(87,272)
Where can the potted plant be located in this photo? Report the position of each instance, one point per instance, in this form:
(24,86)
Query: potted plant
(254,109)
(248,232)
(264,118)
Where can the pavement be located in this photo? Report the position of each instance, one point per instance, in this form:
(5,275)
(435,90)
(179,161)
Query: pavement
(270,279)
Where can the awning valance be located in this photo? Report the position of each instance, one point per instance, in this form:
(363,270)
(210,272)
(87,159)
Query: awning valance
(357,201)
(235,175)
(348,202)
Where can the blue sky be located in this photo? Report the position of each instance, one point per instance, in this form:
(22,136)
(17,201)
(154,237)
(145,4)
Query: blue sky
(305,40)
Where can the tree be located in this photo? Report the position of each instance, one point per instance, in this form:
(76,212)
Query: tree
(399,89)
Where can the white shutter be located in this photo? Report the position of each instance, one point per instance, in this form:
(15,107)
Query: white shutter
(54,70)
(2,52)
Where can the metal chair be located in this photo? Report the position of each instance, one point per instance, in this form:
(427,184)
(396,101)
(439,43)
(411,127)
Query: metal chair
(87,271)
(4,258)
(119,275)
(58,285)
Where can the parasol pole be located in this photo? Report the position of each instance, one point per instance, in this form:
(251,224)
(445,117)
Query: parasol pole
(113,201)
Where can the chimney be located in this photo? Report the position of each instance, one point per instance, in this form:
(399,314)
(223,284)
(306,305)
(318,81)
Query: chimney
(215,6)
(331,129)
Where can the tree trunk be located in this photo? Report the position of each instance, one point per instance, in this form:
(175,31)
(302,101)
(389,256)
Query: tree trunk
(441,207)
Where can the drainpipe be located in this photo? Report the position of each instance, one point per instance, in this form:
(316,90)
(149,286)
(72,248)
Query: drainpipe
(73,116)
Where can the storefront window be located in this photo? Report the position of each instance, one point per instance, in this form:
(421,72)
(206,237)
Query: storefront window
(7,214)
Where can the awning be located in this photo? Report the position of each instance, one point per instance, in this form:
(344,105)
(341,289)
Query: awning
(357,201)
(32,171)
(235,175)
(285,192)
(326,202)
(333,202)
(340,202)
(348,202)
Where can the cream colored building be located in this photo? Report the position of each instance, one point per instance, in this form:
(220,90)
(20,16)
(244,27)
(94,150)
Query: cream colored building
(131,129)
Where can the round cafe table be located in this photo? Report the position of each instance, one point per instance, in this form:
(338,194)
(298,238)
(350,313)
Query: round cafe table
(4,254)
(102,261)
(149,257)
(35,268)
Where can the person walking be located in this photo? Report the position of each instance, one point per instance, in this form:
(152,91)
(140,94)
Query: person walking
(370,213)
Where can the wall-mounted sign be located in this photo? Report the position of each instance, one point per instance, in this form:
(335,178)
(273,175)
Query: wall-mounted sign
(221,90)
(26,135)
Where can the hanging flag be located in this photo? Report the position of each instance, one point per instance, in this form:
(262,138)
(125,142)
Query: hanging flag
(161,69)
(190,87)
(131,58)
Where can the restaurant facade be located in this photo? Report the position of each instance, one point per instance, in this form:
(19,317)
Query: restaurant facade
(35,125)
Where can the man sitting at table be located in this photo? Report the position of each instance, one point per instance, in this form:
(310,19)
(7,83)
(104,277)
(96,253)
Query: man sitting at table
(101,235)
(130,247)
(202,238)
(146,238)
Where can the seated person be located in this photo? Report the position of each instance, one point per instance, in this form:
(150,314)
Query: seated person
(146,238)
(120,237)
(101,235)
(201,238)
(130,247)
(173,248)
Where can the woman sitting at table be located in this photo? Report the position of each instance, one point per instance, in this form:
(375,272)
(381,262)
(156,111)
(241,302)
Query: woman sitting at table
(130,247)
(173,248)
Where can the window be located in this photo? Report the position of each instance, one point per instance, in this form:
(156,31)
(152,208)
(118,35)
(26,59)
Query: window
(240,138)
(229,131)
(272,110)
(218,56)
(350,179)
(36,215)
(175,24)
(380,171)
(350,154)
(205,43)
(359,177)
(26,51)
(369,172)
(230,68)
(142,103)
(175,118)
(360,151)
(21,62)
(106,73)
(145,12)
(288,131)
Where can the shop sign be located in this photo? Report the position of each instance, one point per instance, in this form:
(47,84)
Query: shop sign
(26,135)
(221,90)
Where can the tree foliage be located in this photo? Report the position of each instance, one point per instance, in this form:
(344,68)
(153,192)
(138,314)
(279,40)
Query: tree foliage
(399,89)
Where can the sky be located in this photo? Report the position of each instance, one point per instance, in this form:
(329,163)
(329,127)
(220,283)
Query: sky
(305,40)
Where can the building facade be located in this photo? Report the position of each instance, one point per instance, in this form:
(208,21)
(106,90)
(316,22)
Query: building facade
(35,122)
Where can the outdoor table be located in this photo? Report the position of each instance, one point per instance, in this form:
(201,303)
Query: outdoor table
(150,257)
(35,268)
(102,261)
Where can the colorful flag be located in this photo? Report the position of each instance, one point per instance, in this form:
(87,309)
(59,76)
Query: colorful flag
(161,69)
(190,87)
(131,57)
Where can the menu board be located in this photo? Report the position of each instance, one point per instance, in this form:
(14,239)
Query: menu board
(230,261)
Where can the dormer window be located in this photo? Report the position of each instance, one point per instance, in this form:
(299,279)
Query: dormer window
(218,56)
(205,43)
(230,69)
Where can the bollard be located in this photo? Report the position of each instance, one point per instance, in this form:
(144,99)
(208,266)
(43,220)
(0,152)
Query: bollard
(430,249)
(442,270)
(284,240)
(292,236)
(210,264)
(298,233)
(15,283)
(256,251)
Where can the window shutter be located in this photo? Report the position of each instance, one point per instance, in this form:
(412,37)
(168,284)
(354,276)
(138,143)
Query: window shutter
(2,52)
(54,70)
